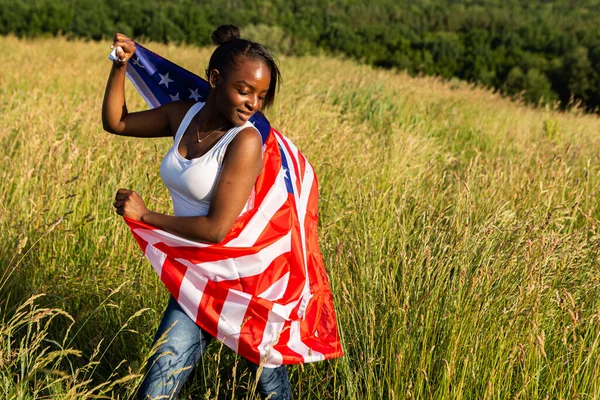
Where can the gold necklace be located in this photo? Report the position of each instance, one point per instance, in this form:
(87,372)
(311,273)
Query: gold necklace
(207,136)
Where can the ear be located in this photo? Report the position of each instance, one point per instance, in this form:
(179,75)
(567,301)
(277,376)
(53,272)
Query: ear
(214,77)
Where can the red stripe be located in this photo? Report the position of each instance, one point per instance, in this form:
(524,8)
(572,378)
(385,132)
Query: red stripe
(253,329)
(172,275)
(315,329)
(257,284)
(279,224)
(210,253)
(210,307)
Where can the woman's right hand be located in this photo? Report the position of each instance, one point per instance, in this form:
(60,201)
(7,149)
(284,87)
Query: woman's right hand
(125,47)
(115,116)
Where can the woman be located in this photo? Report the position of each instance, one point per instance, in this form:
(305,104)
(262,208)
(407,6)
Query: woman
(210,172)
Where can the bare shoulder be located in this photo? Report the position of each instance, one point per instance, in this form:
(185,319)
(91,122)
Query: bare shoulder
(247,138)
(246,147)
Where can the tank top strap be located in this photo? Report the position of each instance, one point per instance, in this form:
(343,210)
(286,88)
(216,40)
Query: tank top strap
(187,119)
(221,146)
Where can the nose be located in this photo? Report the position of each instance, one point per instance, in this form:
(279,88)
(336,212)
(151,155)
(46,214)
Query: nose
(252,102)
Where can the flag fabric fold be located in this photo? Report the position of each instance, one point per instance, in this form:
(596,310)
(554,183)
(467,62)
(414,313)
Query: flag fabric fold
(263,291)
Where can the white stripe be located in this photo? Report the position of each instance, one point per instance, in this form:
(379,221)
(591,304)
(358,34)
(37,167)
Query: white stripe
(274,359)
(243,266)
(190,293)
(148,65)
(307,183)
(270,357)
(296,344)
(142,88)
(156,235)
(156,258)
(275,198)
(232,318)
(148,235)
(284,311)
(276,290)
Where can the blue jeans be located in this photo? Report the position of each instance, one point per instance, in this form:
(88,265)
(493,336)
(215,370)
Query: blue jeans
(171,365)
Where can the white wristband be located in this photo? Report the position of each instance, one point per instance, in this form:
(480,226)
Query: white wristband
(113,56)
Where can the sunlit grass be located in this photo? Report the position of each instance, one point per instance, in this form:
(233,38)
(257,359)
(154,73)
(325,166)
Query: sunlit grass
(460,231)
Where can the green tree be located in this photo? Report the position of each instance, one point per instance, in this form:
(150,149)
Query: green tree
(538,87)
(92,20)
(447,51)
(578,73)
(516,81)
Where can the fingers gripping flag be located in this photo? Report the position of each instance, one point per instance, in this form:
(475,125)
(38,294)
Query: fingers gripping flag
(263,290)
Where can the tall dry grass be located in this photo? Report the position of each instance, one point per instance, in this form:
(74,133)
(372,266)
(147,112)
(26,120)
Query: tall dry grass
(459,229)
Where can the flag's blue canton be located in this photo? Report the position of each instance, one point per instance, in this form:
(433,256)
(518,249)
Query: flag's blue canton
(262,124)
(169,82)
(286,172)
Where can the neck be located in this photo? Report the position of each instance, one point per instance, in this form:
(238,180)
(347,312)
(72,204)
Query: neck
(212,118)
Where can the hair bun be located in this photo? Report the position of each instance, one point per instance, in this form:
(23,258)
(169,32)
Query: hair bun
(225,33)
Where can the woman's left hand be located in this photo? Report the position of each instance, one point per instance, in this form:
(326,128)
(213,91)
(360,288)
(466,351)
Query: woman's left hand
(129,204)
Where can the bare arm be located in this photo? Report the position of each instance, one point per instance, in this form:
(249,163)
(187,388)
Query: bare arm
(241,166)
(115,116)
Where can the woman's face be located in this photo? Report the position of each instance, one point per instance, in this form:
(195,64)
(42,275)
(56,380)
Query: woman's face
(242,91)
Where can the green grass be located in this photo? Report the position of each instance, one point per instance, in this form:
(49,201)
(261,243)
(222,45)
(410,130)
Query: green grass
(460,232)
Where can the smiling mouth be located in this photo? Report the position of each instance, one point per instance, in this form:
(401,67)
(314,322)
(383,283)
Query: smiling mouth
(244,114)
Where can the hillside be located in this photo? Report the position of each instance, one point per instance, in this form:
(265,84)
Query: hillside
(460,231)
(544,51)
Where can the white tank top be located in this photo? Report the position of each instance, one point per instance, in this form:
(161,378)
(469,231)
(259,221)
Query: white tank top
(191,182)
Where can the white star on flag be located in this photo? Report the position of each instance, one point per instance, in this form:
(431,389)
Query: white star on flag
(136,61)
(194,94)
(176,97)
(165,80)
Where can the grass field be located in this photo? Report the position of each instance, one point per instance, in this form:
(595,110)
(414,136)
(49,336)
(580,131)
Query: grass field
(460,231)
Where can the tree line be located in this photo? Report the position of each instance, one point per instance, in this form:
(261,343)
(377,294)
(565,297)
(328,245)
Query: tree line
(543,51)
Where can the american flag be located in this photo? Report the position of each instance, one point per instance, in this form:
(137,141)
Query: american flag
(263,291)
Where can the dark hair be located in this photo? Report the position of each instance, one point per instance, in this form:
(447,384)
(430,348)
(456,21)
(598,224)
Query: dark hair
(232,49)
